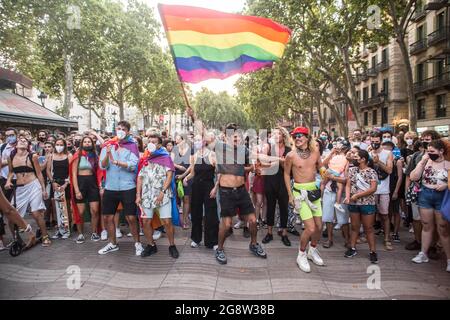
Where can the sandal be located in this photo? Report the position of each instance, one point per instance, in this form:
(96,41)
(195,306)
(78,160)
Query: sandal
(327,244)
(388,246)
(46,241)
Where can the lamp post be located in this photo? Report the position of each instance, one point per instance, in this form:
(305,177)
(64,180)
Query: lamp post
(42,96)
(114,122)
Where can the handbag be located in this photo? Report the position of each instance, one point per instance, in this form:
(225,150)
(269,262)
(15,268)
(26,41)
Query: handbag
(180,189)
(445,207)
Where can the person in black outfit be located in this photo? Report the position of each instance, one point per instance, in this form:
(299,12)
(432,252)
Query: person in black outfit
(274,185)
(204,191)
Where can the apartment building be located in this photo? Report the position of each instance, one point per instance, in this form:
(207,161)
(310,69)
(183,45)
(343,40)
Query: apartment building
(429,45)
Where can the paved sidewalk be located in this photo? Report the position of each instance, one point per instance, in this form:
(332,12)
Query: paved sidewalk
(41,273)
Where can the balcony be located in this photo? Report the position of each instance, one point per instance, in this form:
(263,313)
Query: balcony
(372,72)
(438,36)
(439,81)
(364,76)
(382,66)
(357,79)
(364,103)
(436,5)
(377,100)
(419,14)
(418,46)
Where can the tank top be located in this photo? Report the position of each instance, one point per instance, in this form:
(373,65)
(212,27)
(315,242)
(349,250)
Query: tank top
(61,169)
(181,160)
(277,178)
(204,171)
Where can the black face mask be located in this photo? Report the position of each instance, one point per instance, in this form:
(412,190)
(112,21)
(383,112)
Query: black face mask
(88,149)
(425,144)
(70,148)
(433,156)
(355,163)
(77,143)
(42,139)
(375,146)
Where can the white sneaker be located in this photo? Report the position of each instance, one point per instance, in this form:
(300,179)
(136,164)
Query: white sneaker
(420,258)
(298,221)
(139,248)
(313,254)
(411,230)
(129,234)
(108,248)
(57,235)
(238,225)
(302,261)
(339,207)
(2,246)
(118,233)
(104,235)
(141,233)
(80,239)
(194,244)
(66,235)
(215,247)
(156,235)
(337,227)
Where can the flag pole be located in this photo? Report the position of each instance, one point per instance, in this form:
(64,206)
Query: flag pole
(189,110)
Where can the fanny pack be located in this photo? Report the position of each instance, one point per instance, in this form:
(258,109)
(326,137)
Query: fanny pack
(313,195)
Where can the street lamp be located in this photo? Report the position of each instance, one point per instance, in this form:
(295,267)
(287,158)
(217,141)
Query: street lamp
(114,122)
(42,96)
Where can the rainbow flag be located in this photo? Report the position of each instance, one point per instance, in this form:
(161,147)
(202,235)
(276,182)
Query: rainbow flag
(208,44)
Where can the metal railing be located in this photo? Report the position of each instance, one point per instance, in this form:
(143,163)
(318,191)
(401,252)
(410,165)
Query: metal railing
(418,46)
(382,66)
(434,82)
(438,35)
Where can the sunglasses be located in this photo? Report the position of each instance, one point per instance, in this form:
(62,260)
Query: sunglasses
(299,135)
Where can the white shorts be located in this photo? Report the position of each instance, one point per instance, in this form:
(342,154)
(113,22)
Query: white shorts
(29,198)
(328,211)
(165,212)
(382,201)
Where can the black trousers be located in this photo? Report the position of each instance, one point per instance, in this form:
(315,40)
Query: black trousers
(276,191)
(199,198)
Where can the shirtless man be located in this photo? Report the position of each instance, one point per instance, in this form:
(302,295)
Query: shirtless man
(232,163)
(303,162)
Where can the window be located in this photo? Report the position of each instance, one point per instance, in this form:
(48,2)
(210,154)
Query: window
(374,117)
(420,72)
(441,108)
(420,33)
(325,114)
(358,95)
(421,109)
(366,93)
(439,69)
(384,55)
(440,20)
(374,90)
(384,116)
(374,61)
(386,86)
(366,118)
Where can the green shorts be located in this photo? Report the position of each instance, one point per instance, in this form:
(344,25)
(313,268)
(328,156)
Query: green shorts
(305,212)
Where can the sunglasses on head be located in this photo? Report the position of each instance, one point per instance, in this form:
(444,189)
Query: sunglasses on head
(299,135)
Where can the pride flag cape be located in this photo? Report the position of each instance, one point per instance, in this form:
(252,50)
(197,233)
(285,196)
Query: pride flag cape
(162,157)
(208,44)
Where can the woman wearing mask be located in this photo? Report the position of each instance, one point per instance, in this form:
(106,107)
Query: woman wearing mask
(58,174)
(360,197)
(49,215)
(410,139)
(432,170)
(85,182)
(204,191)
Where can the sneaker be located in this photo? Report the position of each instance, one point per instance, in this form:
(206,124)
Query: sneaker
(373,257)
(246,232)
(413,246)
(239,225)
(2,246)
(302,262)
(267,238)
(303,226)
(149,250)
(118,233)
(156,235)
(141,233)
(108,248)
(129,234)
(173,252)
(285,241)
(339,207)
(57,235)
(420,258)
(314,256)
(215,247)
(221,257)
(294,232)
(325,234)
(80,239)
(396,238)
(337,227)
(65,235)
(104,235)
(257,250)
(139,248)
(194,244)
(350,253)
(380,232)
(388,246)
(411,230)
(95,237)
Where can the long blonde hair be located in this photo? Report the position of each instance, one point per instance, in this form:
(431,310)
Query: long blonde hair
(286,136)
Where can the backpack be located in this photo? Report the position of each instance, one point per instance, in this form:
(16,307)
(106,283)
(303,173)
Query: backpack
(2,148)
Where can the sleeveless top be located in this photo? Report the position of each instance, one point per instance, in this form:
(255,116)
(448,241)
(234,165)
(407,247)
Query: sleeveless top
(61,169)
(84,164)
(384,185)
(277,178)
(180,160)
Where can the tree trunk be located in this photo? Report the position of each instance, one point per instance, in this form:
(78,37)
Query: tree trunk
(319,114)
(103,117)
(68,86)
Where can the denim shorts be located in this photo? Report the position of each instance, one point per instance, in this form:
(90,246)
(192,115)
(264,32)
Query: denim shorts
(430,199)
(362,209)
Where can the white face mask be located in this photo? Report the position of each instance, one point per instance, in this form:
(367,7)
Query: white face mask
(151,147)
(59,149)
(198,145)
(271,141)
(121,134)
(387,139)
(409,142)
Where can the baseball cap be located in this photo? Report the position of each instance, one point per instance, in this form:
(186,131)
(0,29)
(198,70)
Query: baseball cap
(302,130)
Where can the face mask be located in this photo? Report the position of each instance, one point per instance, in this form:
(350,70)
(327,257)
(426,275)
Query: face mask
(357,143)
(121,134)
(11,140)
(198,145)
(387,139)
(42,139)
(376,146)
(425,144)
(70,148)
(355,163)
(433,156)
(271,141)
(409,142)
(59,149)
(151,147)
(77,143)
(323,137)
(88,149)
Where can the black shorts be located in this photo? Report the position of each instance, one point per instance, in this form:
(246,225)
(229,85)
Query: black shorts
(111,200)
(88,188)
(232,199)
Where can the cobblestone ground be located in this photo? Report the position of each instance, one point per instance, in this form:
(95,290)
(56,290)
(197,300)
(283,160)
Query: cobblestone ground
(40,273)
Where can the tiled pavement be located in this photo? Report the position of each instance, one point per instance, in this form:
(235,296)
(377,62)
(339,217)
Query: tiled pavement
(41,273)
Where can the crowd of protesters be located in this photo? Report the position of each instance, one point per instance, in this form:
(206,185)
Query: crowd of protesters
(369,186)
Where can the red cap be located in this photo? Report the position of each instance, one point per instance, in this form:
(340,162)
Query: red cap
(302,130)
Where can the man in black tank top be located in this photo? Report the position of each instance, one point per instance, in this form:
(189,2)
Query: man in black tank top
(232,164)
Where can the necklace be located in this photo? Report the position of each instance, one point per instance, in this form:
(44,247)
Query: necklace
(304,154)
